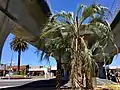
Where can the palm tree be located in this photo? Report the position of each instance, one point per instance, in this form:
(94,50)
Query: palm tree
(54,45)
(71,32)
(18,45)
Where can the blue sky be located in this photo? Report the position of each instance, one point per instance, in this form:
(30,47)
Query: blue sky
(29,56)
(116,61)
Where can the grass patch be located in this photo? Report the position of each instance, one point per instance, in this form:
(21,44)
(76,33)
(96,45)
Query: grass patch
(108,87)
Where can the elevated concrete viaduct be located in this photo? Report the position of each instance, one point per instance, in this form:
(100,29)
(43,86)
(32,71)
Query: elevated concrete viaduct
(23,18)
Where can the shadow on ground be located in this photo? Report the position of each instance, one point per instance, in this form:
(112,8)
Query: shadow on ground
(38,85)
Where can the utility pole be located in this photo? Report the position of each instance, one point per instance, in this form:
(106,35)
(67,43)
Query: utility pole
(11,61)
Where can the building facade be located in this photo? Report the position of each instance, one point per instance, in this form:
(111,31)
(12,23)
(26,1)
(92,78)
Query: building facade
(3,69)
(40,71)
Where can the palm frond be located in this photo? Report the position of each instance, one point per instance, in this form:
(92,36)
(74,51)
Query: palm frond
(78,9)
(18,44)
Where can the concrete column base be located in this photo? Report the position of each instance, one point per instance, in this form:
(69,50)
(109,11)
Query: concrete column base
(101,70)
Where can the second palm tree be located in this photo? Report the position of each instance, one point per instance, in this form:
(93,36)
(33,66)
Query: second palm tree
(18,45)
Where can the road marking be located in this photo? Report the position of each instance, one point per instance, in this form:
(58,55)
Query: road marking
(5,87)
(34,79)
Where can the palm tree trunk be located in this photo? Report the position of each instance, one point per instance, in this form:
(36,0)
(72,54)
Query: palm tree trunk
(89,84)
(58,73)
(19,54)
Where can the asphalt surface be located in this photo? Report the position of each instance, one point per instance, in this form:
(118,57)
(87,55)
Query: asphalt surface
(38,84)
(48,84)
(10,83)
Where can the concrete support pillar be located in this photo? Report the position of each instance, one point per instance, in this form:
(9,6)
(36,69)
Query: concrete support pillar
(5,28)
(101,70)
(65,74)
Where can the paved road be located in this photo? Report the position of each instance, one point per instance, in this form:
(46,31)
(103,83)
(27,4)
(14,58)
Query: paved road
(24,83)
(39,84)
(11,83)
(35,85)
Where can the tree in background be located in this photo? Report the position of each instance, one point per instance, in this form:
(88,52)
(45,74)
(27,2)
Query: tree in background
(18,45)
